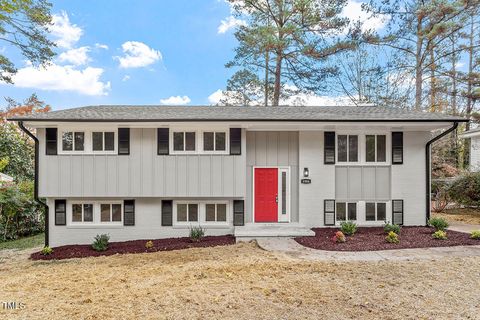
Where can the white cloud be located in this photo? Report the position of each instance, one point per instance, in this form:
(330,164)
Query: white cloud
(62,78)
(230,23)
(176,100)
(126,78)
(353,11)
(138,54)
(65,33)
(76,56)
(101,46)
(215,97)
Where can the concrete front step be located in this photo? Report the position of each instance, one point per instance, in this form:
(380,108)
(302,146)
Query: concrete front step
(250,232)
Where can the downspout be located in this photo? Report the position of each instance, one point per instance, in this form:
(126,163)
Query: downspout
(35,188)
(428,166)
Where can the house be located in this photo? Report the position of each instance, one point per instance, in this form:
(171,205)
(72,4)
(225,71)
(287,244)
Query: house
(474,136)
(146,172)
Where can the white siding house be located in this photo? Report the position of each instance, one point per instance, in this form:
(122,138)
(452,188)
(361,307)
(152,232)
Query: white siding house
(474,136)
(148,172)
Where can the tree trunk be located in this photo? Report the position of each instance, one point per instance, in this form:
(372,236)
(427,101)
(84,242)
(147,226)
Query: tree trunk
(266,77)
(278,76)
(418,68)
(468,110)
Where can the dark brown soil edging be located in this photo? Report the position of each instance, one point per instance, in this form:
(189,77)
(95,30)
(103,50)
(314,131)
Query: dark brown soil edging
(373,239)
(135,246)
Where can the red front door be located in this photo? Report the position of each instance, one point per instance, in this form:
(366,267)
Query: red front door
(266,193)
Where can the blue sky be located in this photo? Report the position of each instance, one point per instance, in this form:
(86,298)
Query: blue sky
(156,50)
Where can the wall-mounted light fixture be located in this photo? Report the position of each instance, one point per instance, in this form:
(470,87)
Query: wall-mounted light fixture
(306,173)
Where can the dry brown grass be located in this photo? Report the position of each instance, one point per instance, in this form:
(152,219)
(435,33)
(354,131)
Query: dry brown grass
(463,215)
(238,282)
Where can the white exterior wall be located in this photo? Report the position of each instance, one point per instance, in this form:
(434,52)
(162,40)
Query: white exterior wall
(475,153)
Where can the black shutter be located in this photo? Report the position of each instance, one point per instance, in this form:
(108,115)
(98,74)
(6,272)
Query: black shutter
(238,212)
(397,147)
(123,141)
(397,212)
(235,141)
(329,212)
(51,141)
(167,212)
(162,141)
(60,212)
(129,212)
(329,148)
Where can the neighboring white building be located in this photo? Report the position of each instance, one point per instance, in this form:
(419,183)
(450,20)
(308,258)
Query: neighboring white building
(147,172)
(474,136)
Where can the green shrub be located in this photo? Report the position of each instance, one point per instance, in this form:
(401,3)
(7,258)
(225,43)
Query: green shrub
(392,237)
(101,242)
(149,244)
(475,234)
(46,251)
(196,233)
(465,190)
(438,223)
(348,227)
(339,237)
(440,235)
(392,227)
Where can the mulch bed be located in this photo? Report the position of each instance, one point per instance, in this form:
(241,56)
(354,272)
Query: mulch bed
(373,238)
(136,246)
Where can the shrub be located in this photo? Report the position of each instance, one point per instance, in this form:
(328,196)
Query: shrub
(339,237)
(101,242)
(465,190)
(475,234)
(392,227)
(440,235)
(149,244)
(46,251)
(349,228)
(392,237)
(438,223)
(196,233)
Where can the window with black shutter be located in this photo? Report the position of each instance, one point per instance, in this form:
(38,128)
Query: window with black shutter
(329,148)
(163,147)
(238,212)
(397,147)
(235,141)
(60,212)
(51,141)
(129,212)
(329,212)
(123,141)
(397,212)
(167,212)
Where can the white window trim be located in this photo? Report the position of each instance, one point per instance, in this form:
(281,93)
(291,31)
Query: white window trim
(96,223)
(338,222)
(376,211)
(387,147)
(216,203)
(111,212)
(172,149)
(88,142)
(362,147)
(73,151)
(115,142)
(199,140)
(202,214)
(348,148)
(227,142)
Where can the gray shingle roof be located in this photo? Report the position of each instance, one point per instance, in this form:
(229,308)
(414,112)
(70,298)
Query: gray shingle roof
(124,113)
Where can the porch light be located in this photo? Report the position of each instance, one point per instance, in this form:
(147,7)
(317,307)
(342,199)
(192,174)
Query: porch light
(306,173)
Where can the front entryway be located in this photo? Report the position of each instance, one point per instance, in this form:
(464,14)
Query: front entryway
(271,194)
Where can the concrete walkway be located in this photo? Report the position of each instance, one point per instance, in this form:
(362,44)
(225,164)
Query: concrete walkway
(463,227)
(291,248)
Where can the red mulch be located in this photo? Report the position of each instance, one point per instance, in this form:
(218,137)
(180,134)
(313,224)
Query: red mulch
(373,238)
(135,246)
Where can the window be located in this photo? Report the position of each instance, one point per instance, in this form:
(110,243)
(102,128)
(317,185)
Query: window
(397,147)
(216,212)
(187,212)
(51,141)
(103,141)
(376,148)
(184,141)
(124,141)
(346,211)
(329,148)
(110,212)
(73,141)
(347,148)
(60,212)
(375,211)
(82,212)
(214,141)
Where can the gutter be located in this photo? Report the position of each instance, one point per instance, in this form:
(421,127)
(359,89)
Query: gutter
(428,166)
(35,189)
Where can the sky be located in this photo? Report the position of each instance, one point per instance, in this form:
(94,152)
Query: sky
(138,52)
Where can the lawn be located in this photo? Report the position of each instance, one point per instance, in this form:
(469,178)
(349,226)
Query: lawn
(24,243)
(463,215)
(237,282)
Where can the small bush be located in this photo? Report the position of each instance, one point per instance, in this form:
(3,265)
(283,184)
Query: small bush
(149,244)
(438,223)
(46,251)
(349,228)
(101,242)
(339,237)
(440,235)
(196,233)
(392,237)
(391,227)
(465,190)
(475,234)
